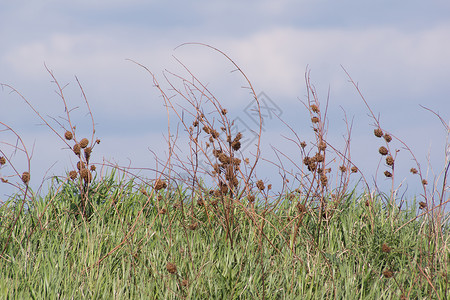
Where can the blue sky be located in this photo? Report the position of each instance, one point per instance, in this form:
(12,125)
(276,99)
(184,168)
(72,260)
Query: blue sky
(397,51)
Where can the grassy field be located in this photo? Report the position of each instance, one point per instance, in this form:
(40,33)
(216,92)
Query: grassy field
(221,232)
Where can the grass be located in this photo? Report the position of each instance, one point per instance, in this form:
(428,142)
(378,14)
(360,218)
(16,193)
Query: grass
(221,232)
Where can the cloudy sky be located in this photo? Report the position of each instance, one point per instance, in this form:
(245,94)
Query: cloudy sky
(397,52)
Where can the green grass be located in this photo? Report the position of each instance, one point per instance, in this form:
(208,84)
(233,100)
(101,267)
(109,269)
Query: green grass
(121,250)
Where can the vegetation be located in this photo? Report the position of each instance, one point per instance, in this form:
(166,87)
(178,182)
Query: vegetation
(221,232)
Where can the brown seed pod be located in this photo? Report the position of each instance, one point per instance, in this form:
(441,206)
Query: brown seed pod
(193,226)
(73,175)
(97,141)
(207,129)
(354,169)
(214,134)
(224,111)
(303,144)
(323,180)
(200,202)
(84,142)
(387,174)
(385,248)
(163,211)
(343,169)
(422,205)
(383,150)
(236,145)
(86,175)
(315,119)
(160,184)
(184,282)
(387,137)
(247,161)
(77,149)
(318,157)
(26,177)
(195,124)
(260,185)
(388,273)
(93,168)
(80,165)
(144,192)
(2,161)
(424,182)
(269,187)
(389,160)
(171,268)
(251,198)
(301,208)
(378,132)
(413,170)
(314,108)
(223,188)
(68,135)
(223,158)
(322,146)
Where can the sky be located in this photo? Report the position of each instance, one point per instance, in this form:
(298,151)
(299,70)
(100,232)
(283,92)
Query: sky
(396,51)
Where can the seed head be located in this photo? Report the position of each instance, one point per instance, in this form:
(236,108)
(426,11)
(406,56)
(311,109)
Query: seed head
(68,135)
(354,169)
(260,185)
(389,160)
(387,137)
(303,144)
(424,182)
(87,153)
(73,175)
(193,226)
(322,145)
(385,248)
(80,165)
(195,124)
(315,119)
(93,167)
(388,273)
(301,208)
(422,205)
(97,141)
(84,142)
(251,198)
(26,177)
(207,129)
(413,170)
(342,168)
(77,149)
(86,175)
(314,108)
(171,268)
(160,184)
(2,161)
(378,132)
(236,145)
(184,282)
(387,174)
(224,111)
(383,150)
